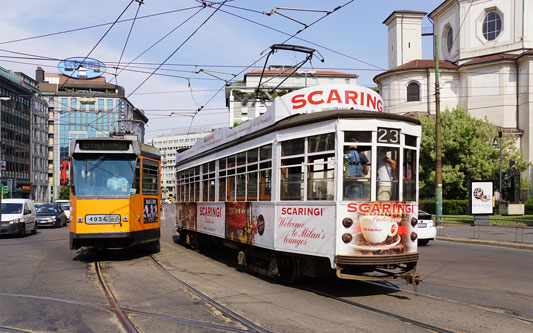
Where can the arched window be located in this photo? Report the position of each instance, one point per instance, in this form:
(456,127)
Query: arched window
(492,25)
(449,39)
(413,92)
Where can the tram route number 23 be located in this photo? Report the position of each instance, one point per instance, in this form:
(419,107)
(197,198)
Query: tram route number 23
(150,212)
(388,135)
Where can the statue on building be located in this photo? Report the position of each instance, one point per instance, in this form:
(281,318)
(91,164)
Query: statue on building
(511,184)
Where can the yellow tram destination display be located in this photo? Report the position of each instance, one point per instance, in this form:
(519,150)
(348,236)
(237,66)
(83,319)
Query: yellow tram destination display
(323,182)
(115,193)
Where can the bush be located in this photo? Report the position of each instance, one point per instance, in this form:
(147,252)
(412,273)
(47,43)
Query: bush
(449,207)
(528,209)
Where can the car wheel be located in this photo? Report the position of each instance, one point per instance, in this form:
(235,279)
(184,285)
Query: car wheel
(423,242)
(58,223)
(23,230)
(34,230)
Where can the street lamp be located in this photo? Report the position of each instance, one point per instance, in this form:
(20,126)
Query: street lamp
(495,144)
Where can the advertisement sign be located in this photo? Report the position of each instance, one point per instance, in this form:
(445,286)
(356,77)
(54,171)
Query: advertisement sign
(211,218)
(186,215)
(81,68)
(481,197)
(302,229)
(376,228)
(150,210)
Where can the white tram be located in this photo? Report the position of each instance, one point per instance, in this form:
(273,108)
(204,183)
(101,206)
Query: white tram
(284,190)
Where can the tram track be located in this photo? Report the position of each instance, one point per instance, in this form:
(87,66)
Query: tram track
(379,311)
(223,309)
(492,310)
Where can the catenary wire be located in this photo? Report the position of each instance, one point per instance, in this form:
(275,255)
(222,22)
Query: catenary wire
(127,39)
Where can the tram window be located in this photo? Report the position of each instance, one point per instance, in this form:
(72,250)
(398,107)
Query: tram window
(409,175)
(410,140)
(222,189)
(292,183)
(265,152)
(251,191)
(136,186)
(241,187)
(322,142)
(241,158)
(204,168)
(150,177)
(356,172)
(231,162)
(292,147)
(252,156)
(252,167)
(265,185)
(387,174)
(320,177)
(241,170)
(211,190)
(231,188)
(196,190)
(222,164)
(212,166)
(265,165)
(204,191)
(359,136)
(231,171)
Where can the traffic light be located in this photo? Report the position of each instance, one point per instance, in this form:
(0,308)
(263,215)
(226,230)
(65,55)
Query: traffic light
(5,189)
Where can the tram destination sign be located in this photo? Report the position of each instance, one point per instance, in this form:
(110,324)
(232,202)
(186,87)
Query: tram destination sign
(104,145)
(81,68)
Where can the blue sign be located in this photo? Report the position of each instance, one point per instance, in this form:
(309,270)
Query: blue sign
(81,68)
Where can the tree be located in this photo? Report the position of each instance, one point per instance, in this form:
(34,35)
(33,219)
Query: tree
(64,192)
(467,153)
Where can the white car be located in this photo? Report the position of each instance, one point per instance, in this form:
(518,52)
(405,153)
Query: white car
(426,228)
(65,205)
(18,217)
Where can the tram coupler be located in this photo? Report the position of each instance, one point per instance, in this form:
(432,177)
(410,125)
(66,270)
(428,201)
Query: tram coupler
(411,277)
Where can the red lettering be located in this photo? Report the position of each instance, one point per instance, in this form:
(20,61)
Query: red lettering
(386,208)
(352,207)
(298,101)
(350,95)
(380,105)
(311,95)
(334,96)
(371,100)
(362,99)
(283,211)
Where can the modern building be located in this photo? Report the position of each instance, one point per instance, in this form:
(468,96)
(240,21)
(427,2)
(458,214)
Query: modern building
(15,134)
(40,188)
(83,108)
(485,49)
(244,104)
(169,145)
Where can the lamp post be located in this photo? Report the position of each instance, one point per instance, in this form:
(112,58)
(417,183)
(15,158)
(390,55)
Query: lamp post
(495,143)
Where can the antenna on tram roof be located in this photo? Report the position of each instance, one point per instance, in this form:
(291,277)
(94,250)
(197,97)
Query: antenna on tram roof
(290,70)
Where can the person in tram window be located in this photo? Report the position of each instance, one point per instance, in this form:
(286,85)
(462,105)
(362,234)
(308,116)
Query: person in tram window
(355,167)
(116,183)
(386,174)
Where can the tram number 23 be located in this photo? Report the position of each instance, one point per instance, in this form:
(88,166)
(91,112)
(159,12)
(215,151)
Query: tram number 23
(388,135)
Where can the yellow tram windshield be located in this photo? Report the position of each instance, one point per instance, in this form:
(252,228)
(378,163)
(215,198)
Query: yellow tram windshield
(104,175)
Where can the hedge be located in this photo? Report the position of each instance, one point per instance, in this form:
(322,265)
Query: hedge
(449,207)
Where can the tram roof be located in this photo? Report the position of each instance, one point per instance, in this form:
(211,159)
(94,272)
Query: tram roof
(137,147)
(301,107)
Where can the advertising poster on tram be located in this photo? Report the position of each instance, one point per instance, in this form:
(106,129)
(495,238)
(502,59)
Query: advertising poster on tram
(263,222)
(239,226)
(304,229)
(377,228)
(186,215)
(211,218)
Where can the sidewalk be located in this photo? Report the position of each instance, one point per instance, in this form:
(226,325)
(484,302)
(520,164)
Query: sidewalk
(505,236)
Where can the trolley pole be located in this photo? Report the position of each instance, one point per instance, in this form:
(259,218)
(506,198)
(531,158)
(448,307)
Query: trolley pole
(438,140)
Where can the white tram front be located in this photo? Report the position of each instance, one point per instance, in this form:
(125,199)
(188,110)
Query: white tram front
(323,181)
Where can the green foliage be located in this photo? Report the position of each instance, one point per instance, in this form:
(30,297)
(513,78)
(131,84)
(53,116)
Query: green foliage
(467,153)
(449,207)
(528,207)
(64,193)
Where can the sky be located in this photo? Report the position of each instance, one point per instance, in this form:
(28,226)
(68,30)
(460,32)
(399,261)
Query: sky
(203,45)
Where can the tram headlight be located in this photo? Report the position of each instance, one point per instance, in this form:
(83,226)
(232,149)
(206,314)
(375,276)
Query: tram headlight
(414,236)
(347,237)
(347,222)
(124,218)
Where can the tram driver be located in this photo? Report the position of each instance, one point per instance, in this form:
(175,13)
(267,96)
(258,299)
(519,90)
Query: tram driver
(116,183)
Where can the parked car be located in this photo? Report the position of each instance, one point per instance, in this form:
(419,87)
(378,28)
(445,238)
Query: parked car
(18,217)
(65,204)
(426,228)
(51,214)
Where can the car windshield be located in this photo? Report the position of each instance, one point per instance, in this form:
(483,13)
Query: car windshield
(100,175)
(11,208)
(46,209)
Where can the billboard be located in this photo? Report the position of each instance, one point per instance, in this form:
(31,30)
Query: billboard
(81,68)
(481,197)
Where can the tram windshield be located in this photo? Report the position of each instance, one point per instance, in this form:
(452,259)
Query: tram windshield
(97,175)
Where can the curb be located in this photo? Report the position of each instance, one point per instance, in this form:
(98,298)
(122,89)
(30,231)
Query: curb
(521,246)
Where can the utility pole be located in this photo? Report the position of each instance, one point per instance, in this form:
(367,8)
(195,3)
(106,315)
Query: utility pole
(438,139)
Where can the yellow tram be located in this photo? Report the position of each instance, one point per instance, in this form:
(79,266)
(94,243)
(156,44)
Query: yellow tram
(115,193)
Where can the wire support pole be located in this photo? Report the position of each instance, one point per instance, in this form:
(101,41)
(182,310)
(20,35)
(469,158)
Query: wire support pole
(438,139)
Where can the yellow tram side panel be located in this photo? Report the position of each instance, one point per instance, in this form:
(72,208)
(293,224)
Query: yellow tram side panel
(131,207)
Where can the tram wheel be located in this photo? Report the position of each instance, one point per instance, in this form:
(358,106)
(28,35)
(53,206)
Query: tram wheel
(289,270)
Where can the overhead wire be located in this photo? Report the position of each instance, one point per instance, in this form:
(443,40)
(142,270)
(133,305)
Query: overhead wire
(127,39)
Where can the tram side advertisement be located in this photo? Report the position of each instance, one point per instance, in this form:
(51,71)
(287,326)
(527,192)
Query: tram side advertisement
(376,228)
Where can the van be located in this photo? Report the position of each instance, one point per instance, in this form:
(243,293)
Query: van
(18,217)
